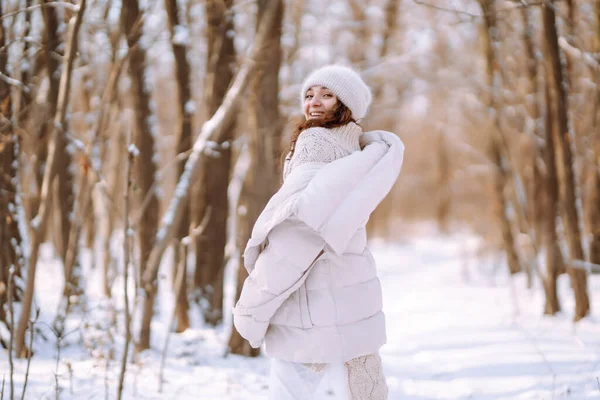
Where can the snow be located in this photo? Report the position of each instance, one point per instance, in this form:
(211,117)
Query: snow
(181,35)
(457,329)
(133,150)
(190,107)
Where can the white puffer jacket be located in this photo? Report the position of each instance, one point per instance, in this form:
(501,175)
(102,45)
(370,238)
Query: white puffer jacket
(313,294)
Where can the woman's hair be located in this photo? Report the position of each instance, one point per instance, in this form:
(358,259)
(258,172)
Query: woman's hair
(339,116)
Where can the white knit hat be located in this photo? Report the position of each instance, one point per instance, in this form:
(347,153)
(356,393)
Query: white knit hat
(345,83)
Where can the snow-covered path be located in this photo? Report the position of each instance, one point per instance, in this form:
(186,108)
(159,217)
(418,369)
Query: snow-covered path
(453,333)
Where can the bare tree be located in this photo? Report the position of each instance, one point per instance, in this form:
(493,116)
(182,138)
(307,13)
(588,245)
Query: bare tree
(117,152)
(40,221)
(381,219)
(297,11)
(212,193)
(117,146)
(551,240)
(23,95)
(533,174)
(131,154)
(542,194)
(594,196)
(391,10)
(443,202)
(11,253)
(496,144)
(145,169)
(264,147)
(52,41)
(360,26)
(184,142)
(564,162)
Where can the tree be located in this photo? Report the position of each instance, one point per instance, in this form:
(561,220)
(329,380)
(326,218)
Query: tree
(184,142)
(264,145)
(212,188)
(551,240)
(542,188)
(62,197)
(144,167)
(11,252)
(594,197)
(40,221)
(564,162)
(496,141)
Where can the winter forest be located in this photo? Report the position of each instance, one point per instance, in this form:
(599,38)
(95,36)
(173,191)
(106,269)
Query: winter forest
(140,140)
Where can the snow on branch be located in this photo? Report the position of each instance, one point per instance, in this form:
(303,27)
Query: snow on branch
(14,82)
(578,54)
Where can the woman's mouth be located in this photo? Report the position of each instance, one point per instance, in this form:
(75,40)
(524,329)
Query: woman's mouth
(316,114)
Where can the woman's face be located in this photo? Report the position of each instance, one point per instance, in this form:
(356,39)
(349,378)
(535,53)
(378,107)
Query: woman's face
(317,100)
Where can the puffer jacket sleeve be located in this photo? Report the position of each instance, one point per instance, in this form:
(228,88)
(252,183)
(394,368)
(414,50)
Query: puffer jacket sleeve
(336,207)
(281,268)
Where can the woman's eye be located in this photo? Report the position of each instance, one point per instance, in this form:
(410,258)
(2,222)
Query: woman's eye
(328,95)
(309,96)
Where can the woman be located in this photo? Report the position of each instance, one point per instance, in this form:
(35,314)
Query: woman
(312,294)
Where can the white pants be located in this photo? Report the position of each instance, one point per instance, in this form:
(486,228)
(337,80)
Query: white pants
(294,381)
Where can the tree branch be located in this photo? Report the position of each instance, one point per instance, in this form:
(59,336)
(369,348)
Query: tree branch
(70,6)
(579,54)
(519,4)
(14,82)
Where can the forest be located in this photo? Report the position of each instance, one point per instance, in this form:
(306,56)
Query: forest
(141,139)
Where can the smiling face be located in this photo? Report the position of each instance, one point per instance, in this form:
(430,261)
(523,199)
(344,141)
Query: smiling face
(317,101)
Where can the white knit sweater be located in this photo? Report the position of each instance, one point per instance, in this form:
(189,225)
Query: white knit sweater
(323,145)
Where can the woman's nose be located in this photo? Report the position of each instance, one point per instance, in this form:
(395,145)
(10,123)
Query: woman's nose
(315,101)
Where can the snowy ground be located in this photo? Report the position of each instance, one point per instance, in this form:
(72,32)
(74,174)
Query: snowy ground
(456,330)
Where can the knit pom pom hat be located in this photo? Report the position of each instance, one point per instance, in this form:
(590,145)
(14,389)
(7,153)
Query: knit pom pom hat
(345,83)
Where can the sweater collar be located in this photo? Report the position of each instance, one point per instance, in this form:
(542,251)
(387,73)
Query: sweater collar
(348,134)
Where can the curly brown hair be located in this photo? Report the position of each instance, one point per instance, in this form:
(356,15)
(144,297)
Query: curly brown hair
(339,116)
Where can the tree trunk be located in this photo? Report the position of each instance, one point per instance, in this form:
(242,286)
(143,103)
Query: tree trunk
(62,199)
(145,169)
(391,22)
(381,220)
(11,253)
(23,99)
(443,184)
(63,186)
(594,196)
(502,173)
(542,193)
(535,177)
(357,52)
(264,145)
(297,11)
(117,150)
(564,164)
(39,224)
(51,41)
(210,245)
(116,183)
(550,237)
(184,135)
